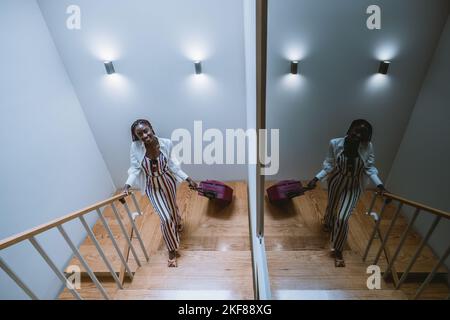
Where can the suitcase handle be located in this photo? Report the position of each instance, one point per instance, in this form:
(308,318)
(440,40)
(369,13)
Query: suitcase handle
(292,194)
(209,194)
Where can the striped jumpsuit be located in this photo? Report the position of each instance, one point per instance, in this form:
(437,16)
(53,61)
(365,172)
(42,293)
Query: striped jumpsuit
(345,185)
(161,190)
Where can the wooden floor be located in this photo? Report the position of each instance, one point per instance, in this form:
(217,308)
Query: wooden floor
(215,258)
(298,253)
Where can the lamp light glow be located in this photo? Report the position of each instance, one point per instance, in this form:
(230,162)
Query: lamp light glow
(109,67)
(384,66)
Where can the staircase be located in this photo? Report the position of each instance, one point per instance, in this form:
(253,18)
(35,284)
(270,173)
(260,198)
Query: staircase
(200,275)
(311,275)
(214,257)
(299,262)
(124,256)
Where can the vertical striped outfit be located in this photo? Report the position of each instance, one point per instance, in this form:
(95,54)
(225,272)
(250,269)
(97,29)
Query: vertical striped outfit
(344,189)
(345,185)
(161,190)
(158,179)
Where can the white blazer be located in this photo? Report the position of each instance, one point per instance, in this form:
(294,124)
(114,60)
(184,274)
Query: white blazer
(365,152)
(136,174)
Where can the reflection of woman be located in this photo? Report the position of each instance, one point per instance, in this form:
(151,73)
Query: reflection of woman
(155,171)
(348,163)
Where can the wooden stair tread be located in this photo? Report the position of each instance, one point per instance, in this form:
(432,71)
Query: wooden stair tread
(208,270)
(155,294)
(90,292)
(434,291)
(96,263)
(291,270)
(339,295)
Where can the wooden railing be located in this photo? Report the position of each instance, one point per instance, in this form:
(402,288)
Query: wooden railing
(418,209)
(30,235)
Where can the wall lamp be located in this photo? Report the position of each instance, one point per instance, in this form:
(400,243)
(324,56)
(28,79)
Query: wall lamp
(294,67)
(198,67)
(109,67)
(384,66)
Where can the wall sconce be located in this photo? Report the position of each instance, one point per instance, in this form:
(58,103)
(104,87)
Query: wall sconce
(109,67)
(294,67)
(384,66)
(198,67)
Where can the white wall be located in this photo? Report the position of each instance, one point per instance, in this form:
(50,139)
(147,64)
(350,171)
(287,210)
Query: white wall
(50,163)
(153,44)
(421,169)
(338,82)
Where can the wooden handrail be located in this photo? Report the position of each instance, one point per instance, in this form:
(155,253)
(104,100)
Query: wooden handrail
(5,243)
(434,211)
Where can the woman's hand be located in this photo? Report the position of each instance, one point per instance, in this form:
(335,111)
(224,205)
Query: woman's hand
(192,184)
(381,190)
(126,189)
(313,183)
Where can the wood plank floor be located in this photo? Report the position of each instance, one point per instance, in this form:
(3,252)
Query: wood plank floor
(215,258)
(298,252)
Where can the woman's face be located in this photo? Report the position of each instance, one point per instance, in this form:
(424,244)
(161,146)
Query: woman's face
(359,133)
(145,133)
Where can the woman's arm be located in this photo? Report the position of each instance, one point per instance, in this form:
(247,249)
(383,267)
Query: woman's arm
(174,164)
(133,171)
(328,163)
(370,168)
(328,166)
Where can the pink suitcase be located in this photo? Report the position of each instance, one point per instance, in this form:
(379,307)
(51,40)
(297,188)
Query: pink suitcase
(284,190)
(217,190)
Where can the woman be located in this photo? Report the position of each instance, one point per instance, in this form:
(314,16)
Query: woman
(349,162)
(154,171)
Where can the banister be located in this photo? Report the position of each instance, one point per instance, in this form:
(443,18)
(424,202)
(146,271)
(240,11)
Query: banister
(418,205)
(439,214)
(5,243)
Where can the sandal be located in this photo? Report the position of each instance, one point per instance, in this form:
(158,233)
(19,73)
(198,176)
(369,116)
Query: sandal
(339,261)
(172,263)
(180,227)
(326,228)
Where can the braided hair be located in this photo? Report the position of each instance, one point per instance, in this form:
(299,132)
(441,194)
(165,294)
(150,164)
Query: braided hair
(134,137)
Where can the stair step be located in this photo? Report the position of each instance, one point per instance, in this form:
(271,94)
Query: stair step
(142,294)
(315,270)
(95,262)
(90,292)
(197,270)
(339,295)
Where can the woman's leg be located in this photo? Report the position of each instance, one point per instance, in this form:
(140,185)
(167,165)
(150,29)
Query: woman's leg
(334,189)
(162,204)
(347,203)
(171,187)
